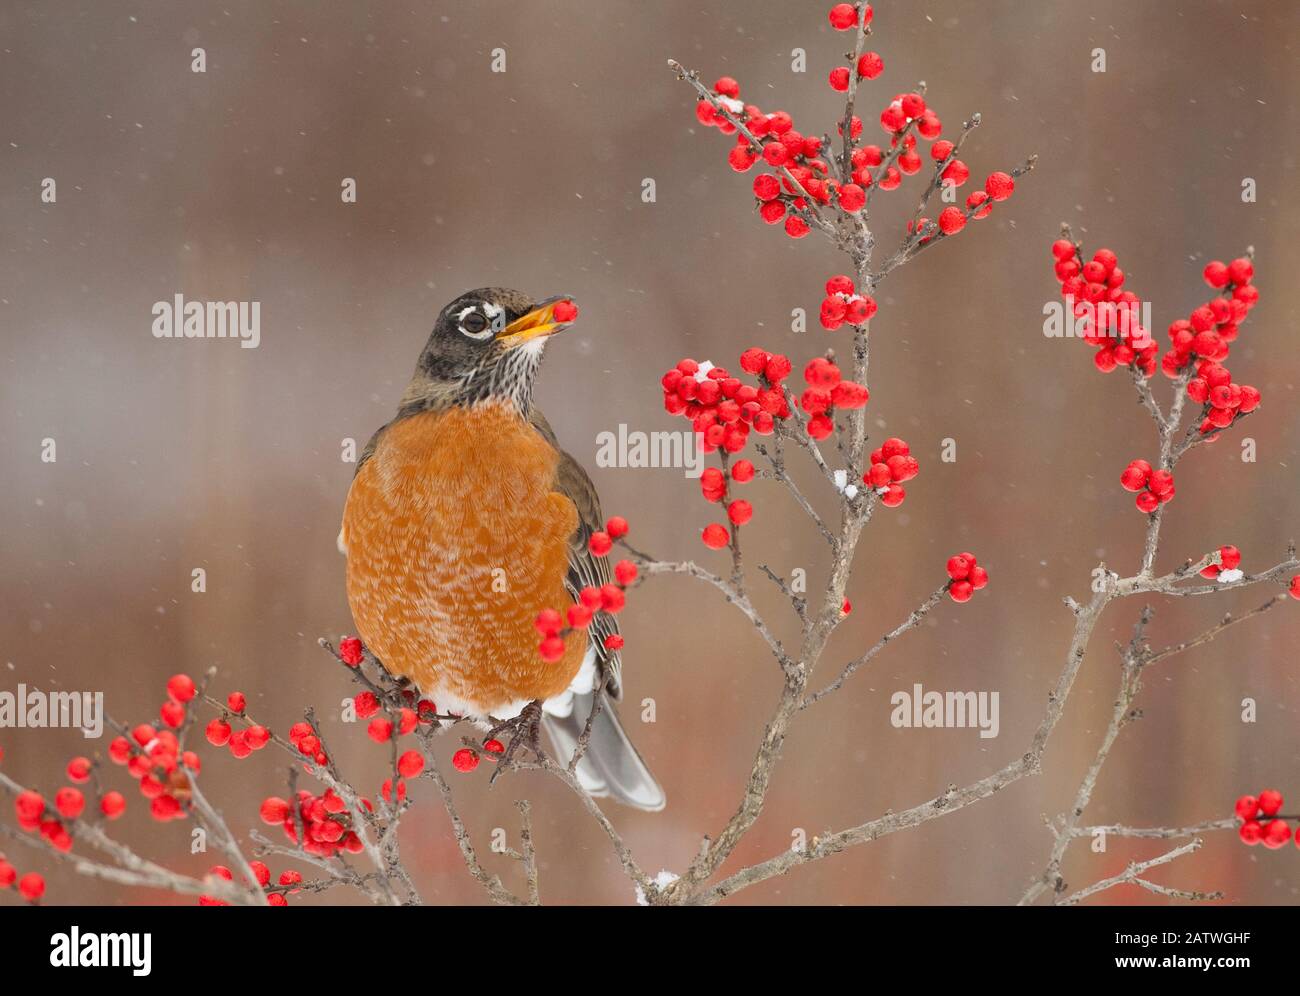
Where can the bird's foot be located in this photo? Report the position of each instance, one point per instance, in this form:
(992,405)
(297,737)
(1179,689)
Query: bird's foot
(522,731)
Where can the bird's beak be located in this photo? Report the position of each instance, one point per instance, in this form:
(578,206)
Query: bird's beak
(540,322)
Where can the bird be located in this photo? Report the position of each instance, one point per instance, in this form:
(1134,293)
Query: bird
(465,519)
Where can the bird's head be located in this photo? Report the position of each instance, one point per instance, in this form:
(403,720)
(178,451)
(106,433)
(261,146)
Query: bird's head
(486,345)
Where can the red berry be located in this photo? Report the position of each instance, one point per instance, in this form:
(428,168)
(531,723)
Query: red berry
(727,87)
(870,65)
(616,526)
(1277,834)
(929,126)
(715,536)
(1147,502)
(235,702)
(625,572)
(777,368)
(960,591)
(1134,477)
(112,805)
(410,764)
(957,172)
(843,16)
(740,511)
(274,810)
(551,649)
(119,750)
(464,760)
(612,598)
(600,544)
(952,220)
(1230,556)
(839,79)
(579,616)
(1293,589)
(852,198)
(1216,274)
(959,567)
(795,227)
(172,714)
(79,769)
(741,158)
(350,651)
(614,642)
(1246,807)
(767,187)
(1270,802)
(999,185)
(380,730)
(1250,832)
(548,622)
(32,886)
(181,687)
(1240,271)
(69,802)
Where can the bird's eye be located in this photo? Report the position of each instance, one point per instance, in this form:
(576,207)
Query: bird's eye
(474,324)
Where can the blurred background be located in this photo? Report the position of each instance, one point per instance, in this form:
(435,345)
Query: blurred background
(174,455)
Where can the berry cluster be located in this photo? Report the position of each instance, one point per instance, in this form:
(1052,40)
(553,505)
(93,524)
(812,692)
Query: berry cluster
(891,466)
(1261,822)
(247,740)
(1230,560)
(466,760)
(967,577)
(803,174)
(843,305)
(1107,314)
(30,886)
(827,390)
(154,759)
(722,408)
(609,598)
(802,179)
(1153,487)
(1208,332)
(321,823)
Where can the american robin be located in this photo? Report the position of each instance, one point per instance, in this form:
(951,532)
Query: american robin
(465,519)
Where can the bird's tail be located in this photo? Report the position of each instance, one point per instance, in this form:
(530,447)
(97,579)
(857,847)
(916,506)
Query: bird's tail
(611,766)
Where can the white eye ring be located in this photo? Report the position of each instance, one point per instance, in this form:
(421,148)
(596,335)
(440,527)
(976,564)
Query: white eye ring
(485,333)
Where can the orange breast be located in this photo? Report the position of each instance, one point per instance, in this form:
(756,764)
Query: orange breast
(455,541)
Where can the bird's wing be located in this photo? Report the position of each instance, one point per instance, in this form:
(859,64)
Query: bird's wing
(584,569)
(366,454)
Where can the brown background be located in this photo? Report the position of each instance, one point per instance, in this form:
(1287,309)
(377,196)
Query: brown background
(173,455)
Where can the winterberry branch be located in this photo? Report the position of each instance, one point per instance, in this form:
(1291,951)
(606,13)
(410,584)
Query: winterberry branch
(1151,833)
(846,122)
(911,622)
(810,213)
(1132,875)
